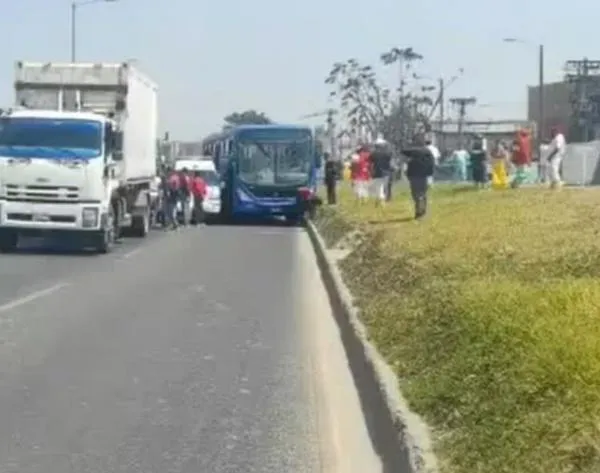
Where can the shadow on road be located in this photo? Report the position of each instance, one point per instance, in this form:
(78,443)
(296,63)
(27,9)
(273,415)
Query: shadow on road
(257,222)
(44,247)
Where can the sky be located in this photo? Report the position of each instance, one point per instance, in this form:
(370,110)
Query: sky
(213,58)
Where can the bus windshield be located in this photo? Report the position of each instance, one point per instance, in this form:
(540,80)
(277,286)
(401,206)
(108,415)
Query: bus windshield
(50,137)
(275,162)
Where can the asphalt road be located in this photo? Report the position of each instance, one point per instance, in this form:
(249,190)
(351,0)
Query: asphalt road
(204,350)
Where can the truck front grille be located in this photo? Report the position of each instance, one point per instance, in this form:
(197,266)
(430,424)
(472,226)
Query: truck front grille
(23,217)
(48,194)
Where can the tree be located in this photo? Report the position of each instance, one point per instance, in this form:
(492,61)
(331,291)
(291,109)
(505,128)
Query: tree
(363,101)
(409,109)
(369,106)
(247,117)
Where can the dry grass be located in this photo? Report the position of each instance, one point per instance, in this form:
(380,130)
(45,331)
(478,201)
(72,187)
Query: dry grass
(490,313)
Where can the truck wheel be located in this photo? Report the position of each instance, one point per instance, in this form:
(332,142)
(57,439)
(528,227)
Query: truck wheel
(9,242)
(107,239)
(140,224)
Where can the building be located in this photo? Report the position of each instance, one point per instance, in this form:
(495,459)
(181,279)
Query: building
(492,131)
(573,104)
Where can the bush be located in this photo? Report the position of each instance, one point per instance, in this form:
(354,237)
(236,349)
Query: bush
(489,311)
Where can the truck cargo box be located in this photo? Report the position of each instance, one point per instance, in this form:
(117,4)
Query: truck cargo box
(114,89)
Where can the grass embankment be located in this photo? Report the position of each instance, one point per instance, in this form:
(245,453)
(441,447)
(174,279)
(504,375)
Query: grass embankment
(489,311)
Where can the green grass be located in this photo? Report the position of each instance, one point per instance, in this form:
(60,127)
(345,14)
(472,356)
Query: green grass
(489,311)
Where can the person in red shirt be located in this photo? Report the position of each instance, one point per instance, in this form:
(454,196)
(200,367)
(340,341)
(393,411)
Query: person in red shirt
(199,191)
(522,156)
(363,174)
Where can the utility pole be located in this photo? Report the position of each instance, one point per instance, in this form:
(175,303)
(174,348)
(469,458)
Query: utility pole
(442,99)
(584,77)
(402,101)
(541,99)
(462,103)
(331,131)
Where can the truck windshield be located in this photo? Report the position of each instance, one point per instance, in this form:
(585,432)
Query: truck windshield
(270,162)
(50,138)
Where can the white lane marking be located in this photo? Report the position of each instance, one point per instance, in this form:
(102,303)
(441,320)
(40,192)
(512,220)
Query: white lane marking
(32,297)
(131,253)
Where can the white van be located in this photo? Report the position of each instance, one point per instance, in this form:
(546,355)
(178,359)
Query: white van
(206,168)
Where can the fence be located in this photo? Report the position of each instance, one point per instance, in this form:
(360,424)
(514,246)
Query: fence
(581,166)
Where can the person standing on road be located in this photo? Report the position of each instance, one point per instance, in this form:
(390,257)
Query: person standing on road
(381,168)
(171,192)
(331,176)
(185,193)
(557,151)
(199,190)
(419,168)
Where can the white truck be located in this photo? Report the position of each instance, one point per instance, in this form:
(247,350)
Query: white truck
(78,154)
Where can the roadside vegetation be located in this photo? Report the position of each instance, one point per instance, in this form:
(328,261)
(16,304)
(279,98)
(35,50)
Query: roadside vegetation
(489,311)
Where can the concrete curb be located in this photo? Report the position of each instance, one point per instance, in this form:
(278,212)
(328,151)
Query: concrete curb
(399,436)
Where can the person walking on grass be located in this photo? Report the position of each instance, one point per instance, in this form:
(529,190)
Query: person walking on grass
(521,157)
(420,164)
(362,175)
(331,171)
(500,161)
(557,151)
(479,162)
(380,161)
(437,156)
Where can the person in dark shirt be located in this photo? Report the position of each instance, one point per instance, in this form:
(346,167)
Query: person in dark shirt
(331,172)
(479,162)
(419,169)
(381,167)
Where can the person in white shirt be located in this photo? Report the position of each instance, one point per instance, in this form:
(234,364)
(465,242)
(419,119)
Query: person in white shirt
(435,152)
(557,151)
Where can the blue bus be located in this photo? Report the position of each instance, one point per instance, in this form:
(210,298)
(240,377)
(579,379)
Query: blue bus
(266,170)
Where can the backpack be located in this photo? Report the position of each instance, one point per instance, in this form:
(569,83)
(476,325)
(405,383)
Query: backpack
(172,186)
(184,185)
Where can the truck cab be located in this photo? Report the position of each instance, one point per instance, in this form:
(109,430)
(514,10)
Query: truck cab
(78,155)
(57,175)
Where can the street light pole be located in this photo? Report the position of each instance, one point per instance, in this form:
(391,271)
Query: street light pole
(74,6)
(73,30)
(541,118)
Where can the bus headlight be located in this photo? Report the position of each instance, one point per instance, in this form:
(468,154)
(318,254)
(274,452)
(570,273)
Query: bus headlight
(89,218)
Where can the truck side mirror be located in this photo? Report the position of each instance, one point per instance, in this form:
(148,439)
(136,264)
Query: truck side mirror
(117,145)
